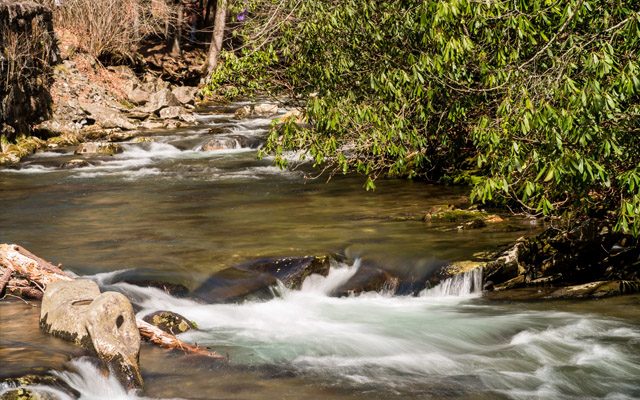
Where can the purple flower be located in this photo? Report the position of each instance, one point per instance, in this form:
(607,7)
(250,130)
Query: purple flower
(243,15)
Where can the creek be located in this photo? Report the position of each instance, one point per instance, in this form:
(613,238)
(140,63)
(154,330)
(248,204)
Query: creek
(168,207)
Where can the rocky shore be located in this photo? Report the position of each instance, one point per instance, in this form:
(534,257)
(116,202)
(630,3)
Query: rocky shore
(92,103)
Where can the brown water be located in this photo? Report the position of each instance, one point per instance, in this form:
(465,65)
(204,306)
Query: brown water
(168,207)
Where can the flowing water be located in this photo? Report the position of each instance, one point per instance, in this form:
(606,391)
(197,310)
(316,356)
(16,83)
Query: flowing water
(169,207)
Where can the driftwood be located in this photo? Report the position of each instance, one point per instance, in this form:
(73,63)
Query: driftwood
(159,337)
(26,275)
(4,279)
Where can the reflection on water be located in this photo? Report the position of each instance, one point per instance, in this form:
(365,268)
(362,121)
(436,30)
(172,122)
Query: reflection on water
(167,206)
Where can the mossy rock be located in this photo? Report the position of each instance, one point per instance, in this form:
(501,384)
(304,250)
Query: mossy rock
(105,148)
(170,322)
(460,267)
(26,387)
(66,139)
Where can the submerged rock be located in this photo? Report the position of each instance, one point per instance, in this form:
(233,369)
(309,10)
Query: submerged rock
(227,142)
(171,283)
(101,322)
(233,285)
(170,322)
(75,163)
(99,148)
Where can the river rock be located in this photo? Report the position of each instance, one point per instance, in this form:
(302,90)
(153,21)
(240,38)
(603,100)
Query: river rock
(138,96)
(152,125)
(172,124)
(188,118)
(291,271)
(121,136)
(294,115)
(75,163)
(168,282)
(169,322)
(185,94)
(242,112)
(226,142)
(159,100)
(107,117)
(35,387)
(265,110)
(368,278)
(234,285)
(101,322)
(99,148)
(170,112)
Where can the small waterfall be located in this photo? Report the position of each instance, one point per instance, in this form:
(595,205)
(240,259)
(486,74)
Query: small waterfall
(464,284)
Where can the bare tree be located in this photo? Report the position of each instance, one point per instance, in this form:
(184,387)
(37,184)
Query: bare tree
(218,35)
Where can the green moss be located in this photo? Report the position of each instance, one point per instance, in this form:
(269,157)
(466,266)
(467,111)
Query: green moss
(14,152)
(454,215)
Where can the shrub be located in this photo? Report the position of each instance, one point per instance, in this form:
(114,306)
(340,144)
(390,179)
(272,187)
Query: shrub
(535,103)
(110,28)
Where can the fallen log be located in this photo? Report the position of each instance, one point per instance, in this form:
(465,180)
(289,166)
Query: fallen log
(27,275)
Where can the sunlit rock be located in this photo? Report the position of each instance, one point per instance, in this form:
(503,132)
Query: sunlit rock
(103,323)
(99,148)
(169,322)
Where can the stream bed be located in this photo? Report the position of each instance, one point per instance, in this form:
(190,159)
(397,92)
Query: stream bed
(166,206)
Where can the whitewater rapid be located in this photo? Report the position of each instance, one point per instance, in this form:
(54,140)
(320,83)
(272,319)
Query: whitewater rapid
(442,337)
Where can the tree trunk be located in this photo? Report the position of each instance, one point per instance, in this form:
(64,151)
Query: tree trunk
(218,35)
(177,37)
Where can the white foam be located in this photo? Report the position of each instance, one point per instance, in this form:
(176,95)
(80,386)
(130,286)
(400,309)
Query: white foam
(30,169)
(92,384)
(404,341)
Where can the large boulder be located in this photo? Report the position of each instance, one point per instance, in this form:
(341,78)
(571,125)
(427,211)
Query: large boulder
(291,271)
(169,282)
(265,110)
(234,285)
(104,148)
(185,94)
(101,322)
(368,278)
(159,100)
(107,117)
(226,142)
(138,96)
(170,112)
